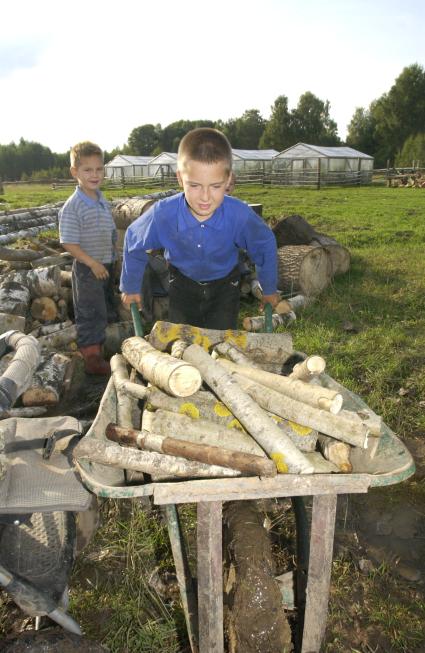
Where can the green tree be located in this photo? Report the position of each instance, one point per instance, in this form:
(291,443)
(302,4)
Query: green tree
(312,123)
(413,151)
(174,132)
(278,133)
(144,139)
(361,131)
(248,130)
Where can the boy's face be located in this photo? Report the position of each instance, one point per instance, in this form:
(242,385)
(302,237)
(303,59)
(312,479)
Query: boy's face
(89,174)
(204,186)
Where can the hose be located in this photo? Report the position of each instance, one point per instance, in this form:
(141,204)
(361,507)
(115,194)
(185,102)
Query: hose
(17,377)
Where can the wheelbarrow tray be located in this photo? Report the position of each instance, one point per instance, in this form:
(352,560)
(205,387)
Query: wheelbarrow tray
(391,464)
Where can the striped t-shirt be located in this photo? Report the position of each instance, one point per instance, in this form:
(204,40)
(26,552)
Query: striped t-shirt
(88,223)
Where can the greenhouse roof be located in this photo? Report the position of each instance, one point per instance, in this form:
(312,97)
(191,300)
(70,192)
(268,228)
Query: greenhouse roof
(122,160)
(254,155)
(303,150)
(164,157)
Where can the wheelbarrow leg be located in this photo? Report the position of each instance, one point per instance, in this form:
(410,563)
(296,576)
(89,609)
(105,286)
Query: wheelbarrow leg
(319,571)
(210,577)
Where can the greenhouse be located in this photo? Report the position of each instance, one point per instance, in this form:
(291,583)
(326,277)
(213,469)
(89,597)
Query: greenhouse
(123,165)
(163,165)
(317,165)
(253,160)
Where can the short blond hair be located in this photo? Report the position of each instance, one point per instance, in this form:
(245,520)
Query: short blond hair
(85,148)
(205,145)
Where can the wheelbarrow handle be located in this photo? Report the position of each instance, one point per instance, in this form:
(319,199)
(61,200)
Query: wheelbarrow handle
(137,322)
(268,319)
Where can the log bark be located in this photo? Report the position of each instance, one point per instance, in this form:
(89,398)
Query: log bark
(47,382)
(44,309)
(10,254)
(66,278)
(60,260)
(276,444)
(313,395)
(62,310)
(199,430)
(42,282)
(247,464)
(233,354)
(303,269)
(11,236)
(46,329)
(126,211)
(171,374)
(269,347)
(346,426)
(149,462)
(59,340)
(35,411)
(9,322)
(14,298)
(258,322)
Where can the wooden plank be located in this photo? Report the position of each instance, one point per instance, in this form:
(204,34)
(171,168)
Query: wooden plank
(210,577)
(319,572)
(284,485)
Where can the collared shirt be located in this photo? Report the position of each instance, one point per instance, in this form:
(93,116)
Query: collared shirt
(202,251)
(89,223)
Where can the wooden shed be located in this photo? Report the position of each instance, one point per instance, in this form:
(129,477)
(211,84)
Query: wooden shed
(318,165)
(124,165)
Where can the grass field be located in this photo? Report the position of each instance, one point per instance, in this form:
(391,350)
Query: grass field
(380,356)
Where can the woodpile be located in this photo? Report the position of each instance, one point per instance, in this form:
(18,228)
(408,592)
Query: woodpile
(413,180)
(244,417)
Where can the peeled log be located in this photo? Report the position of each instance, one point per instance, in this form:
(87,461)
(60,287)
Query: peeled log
(313,395)
(336,452)
(47,382)
(126,211)
(303,269)
(14,298)
(149,462)
(258,322)
(171,374)
(269,347)
(246,463)
(346,426)
(199,430)
(309,368)
(262,428)
(44,309)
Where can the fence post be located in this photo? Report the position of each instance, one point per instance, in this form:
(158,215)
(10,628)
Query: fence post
(318,173)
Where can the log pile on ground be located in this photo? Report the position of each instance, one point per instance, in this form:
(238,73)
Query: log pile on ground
(413,180)
(245,420)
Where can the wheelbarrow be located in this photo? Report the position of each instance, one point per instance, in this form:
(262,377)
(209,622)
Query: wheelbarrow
(390,464)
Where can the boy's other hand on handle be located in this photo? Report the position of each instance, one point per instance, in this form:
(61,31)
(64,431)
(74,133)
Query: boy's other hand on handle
(128,299)
(269,299)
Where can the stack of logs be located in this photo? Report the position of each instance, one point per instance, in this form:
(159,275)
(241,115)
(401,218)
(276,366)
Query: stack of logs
(246,419)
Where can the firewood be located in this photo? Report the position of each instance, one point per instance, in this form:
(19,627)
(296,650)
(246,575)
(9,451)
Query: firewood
(42,282)
(335,451)
(33,411)
(149,462)
(59,340)
(10,254)
(171,374)
(47,382)
(60,260)
(44,309)
(303,269)
(276,444)
(45,329)
(43,247)
(315,396)
(258,322)
(66,278)
(259,346)
(311,367)
(62,307)
(321,464)
(14,298)
(233,354)
(126,211)
(203,431)
(346,426)
(248,464)
(10,322)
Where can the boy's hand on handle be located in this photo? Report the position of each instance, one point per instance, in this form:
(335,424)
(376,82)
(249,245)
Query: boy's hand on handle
(128,299)
(99,270)
(269,299)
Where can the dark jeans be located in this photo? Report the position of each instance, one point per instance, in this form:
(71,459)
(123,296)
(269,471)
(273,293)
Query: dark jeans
(94,304)
(212,304)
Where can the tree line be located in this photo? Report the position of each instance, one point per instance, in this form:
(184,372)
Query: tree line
(391,129)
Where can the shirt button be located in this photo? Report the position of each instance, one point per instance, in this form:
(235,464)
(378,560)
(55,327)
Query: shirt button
(198,245)
(202,226)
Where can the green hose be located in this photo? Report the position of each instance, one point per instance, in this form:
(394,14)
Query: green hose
(137,322)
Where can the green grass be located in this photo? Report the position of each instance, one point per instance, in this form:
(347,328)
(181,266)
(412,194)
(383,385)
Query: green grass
(383,295)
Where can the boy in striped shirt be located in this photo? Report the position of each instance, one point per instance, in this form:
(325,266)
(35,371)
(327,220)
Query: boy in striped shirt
(87,231)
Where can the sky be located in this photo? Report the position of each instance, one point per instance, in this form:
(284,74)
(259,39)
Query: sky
(95,70)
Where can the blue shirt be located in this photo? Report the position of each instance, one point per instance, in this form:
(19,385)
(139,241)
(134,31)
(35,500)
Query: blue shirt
(88,223)
(202,251)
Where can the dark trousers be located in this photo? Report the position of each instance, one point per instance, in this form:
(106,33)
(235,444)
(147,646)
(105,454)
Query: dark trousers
(94,304)
(212,304)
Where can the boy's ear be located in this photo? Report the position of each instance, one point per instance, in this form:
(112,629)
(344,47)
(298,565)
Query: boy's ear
(179,178)
(73,171)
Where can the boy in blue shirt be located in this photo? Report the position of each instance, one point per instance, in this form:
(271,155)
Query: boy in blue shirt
(87,231)
(201,231)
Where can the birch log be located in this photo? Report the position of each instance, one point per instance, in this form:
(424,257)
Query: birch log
(149,462)
(10,322)
(60,260)
(309,368)
(44,309)
(346,426)
(14,298)
(276,444)
(247,464)
(203,431)
(261,347)
(10,254)
(42,282)
(171,374)
(336,452)
(225,349)
(258,322)
(312,395)
(47,382)
(59,339)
